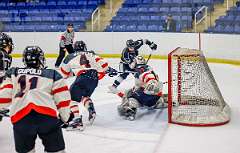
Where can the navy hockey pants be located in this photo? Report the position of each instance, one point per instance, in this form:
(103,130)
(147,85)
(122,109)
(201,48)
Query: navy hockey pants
(144,99)
(84,85)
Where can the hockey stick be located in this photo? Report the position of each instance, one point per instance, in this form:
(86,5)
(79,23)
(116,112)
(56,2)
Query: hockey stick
(149,56)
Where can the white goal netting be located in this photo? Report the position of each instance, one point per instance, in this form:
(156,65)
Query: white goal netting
(194,97)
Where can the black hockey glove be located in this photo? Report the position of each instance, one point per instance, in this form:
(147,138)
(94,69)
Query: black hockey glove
(111,72)
(152,45)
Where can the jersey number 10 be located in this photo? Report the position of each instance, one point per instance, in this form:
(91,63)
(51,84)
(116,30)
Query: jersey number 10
(23,84)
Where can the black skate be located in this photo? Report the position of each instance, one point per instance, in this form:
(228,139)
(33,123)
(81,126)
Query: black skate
(92,113)
(76,124)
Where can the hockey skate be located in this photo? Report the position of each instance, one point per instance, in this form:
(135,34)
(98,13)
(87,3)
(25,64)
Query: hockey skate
(76,125)
(92,113)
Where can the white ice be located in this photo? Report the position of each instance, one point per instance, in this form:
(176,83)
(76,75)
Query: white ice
(150,133)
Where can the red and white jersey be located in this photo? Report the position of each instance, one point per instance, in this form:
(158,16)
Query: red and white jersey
(41,90)
(149,81)
(77,63)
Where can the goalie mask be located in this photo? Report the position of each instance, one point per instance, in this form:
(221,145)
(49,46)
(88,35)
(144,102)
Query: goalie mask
(33,57)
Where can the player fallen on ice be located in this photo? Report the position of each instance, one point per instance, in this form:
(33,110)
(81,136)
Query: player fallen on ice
(6,47)
(38,97)
(147,91)
(127,62)
(88,69)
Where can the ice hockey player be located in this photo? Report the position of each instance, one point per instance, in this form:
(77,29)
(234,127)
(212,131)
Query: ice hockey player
(38,97)
(88,69)
(147,91)
(6,47)
(127,62)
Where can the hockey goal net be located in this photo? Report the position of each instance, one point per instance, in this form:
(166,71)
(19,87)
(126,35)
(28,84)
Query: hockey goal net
(194,98)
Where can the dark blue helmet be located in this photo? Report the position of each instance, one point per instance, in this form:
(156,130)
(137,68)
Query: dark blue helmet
(80,46)
(33,57)
(6,41)
(130,43)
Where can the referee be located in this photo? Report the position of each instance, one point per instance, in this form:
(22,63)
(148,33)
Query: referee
(66,44)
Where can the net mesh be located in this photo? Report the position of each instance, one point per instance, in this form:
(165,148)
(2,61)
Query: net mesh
(196,98)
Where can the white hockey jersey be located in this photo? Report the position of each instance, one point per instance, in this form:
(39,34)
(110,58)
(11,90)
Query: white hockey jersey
(77,63)
(41,90)
(150,83)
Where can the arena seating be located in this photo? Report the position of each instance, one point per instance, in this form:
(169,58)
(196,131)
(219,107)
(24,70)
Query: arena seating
(46,15)
(149,15)
(230,23)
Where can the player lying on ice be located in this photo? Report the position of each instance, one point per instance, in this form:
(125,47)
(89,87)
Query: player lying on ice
(89,68)
(127,59)
(147,91)
(38,97)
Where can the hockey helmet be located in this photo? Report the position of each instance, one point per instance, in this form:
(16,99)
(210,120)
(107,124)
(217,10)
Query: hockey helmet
(33,57)
(80,46)
(6,41)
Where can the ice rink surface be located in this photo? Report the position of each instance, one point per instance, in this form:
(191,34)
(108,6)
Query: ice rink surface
(150,132)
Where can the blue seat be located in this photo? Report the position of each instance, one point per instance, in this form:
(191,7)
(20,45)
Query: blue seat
(132,10)
(157,1)
(166,1)
(176,1)
(153,28)
(5,19)
(143,10)
(82,3)
(175,10)
(47,19)
(69,19)
(20,5)
(95,3)
(29,28)
(177,18)
(57,19)
(40,5)
(164,9)
(79,18)
(144,18)
(73,3)
(61,3)
(142,28)
(147,1)
(36,19)
(131,28)
(155,18)
(51,3)
(28,19)
(154,10)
